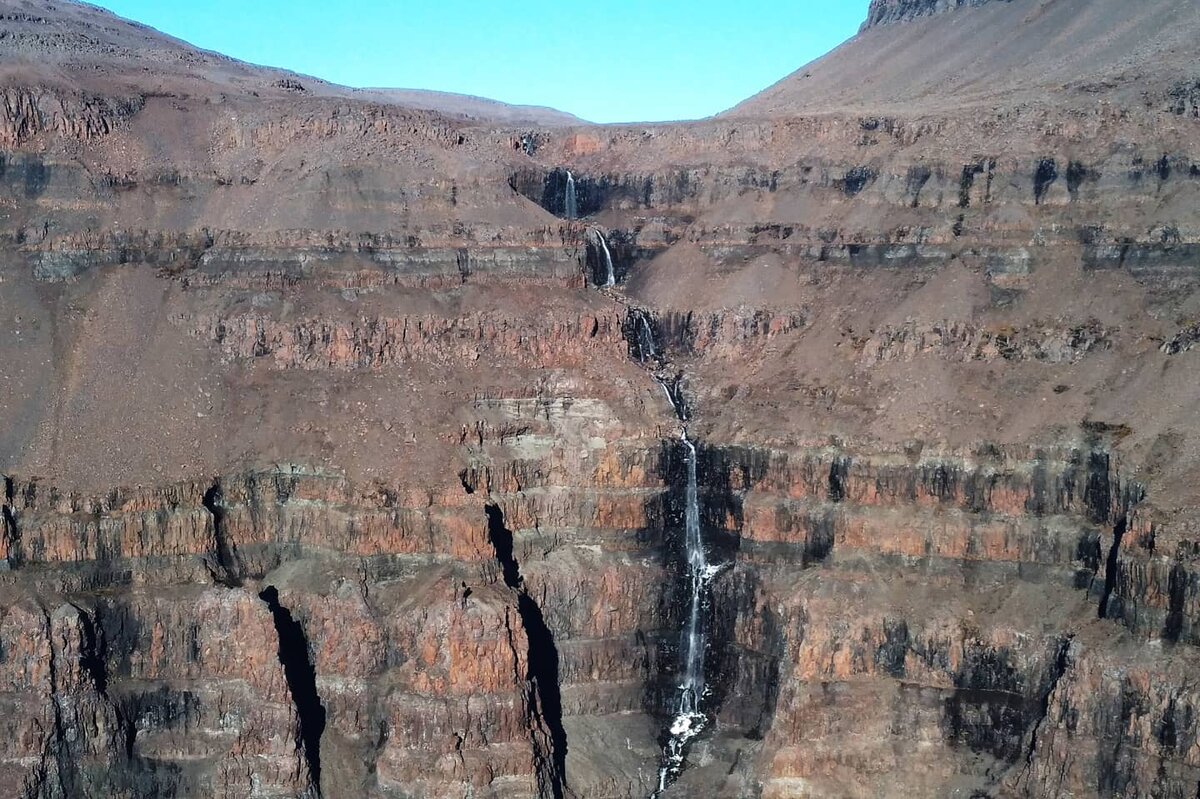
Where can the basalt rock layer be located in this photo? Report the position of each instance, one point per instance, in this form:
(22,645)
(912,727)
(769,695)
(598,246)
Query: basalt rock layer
(332,468)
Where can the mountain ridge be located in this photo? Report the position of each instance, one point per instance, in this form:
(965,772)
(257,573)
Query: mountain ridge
(96,48)
(998,54)
(890,12)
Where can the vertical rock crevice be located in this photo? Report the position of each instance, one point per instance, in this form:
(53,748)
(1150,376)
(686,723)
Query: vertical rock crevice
(839,473)
(1112,565)
(545,691)
(225,552)
(1177,591)
(57,774)
(301,676)
(1109,499)
(1062,662)
(94,655)
(1043,178)
(94,659)
(8,520)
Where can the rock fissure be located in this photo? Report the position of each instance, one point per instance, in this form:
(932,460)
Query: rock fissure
(8,514)
(296,658)
(1177,591)
(94,655)
(226,554)
(64,772)
(1062,662)
(1112,564)
(544,697)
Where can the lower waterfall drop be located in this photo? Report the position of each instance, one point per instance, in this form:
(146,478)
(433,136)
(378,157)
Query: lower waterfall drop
(689,720)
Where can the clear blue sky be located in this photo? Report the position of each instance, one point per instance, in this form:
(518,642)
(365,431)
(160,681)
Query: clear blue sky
(606,61)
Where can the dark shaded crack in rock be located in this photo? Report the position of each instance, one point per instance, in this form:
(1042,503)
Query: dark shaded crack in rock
(1062,662)
(12,531)
(1177,589)
(1044,178)
(301,678)
(1110,569)
(93,657)
(1109,500)
(545,692)
(839,471)
(64,773)
(226,554)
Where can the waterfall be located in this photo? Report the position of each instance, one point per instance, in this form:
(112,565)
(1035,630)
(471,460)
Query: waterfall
(608,261)
(645,340)
(674,391)
(689,721)
(572,203)
(693,643)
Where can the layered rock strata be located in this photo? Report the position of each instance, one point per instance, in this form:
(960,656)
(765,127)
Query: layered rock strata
(332,467)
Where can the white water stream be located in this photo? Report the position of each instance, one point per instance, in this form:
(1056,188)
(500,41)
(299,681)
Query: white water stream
(572,203)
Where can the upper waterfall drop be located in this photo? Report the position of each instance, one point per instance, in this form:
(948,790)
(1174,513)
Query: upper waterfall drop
(572,202)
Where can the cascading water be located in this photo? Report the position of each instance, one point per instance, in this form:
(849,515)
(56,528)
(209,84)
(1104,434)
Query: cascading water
(689,719)
(572,202)
(645,340)
(693,701)
(608,261)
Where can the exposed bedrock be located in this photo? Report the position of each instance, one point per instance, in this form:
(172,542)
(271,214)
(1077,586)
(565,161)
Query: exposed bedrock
(428,259)
(887,208)
(933,212)
(860,581)
(38,110)
(885,12)
(339,462)
(893,596)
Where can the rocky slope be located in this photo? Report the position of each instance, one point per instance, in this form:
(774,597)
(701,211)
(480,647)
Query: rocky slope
(887,12)
(331,467)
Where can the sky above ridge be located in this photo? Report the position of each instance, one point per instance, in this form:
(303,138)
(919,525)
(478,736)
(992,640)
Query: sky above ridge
(614,61)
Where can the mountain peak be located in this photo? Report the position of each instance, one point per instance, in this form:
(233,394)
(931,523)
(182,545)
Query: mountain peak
(997,54)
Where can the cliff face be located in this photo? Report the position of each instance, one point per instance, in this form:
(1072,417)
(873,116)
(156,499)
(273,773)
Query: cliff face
(887,12)
(332,468)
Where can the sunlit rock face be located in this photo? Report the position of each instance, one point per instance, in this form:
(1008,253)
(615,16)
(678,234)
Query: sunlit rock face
(361,444)
(885,12)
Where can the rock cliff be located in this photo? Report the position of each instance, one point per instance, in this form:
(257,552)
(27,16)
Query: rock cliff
(332,467)
(886,12)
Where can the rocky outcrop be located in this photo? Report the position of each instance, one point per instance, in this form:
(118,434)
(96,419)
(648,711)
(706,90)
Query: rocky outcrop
(1047,343)
(887,12)
(29,112)
(1182,341)
(375,343)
